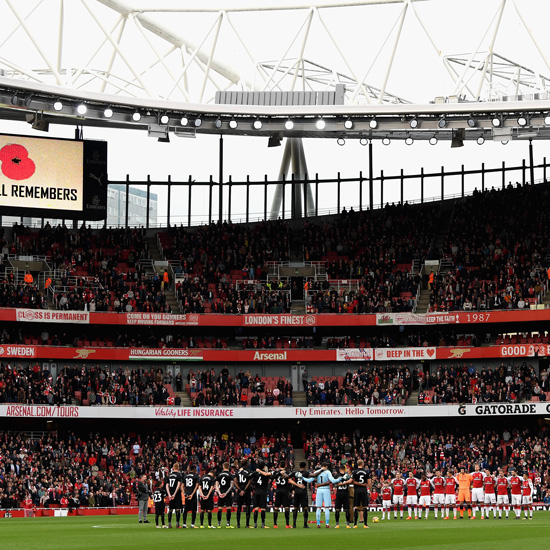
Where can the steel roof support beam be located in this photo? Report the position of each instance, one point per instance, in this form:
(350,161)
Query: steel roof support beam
(116,46)
(35,43)
(396,43)
(113,55)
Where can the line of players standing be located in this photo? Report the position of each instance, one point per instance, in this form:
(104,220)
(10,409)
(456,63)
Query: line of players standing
(476,491)
(185,491)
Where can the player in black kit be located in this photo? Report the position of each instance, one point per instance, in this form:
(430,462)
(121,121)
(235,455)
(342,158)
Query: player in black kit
(261,480)
(243,482)
(342,496)
(282,493)
(361,495)
(190,487)
(158,498)
(300,495)
(173,491)
(224,484)
(206,493)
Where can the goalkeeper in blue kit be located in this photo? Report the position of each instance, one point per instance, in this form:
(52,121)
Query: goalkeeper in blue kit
(322,478)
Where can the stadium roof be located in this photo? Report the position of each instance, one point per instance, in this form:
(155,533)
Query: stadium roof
(155,65)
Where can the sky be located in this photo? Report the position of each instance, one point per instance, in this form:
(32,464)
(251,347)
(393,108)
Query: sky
(417,74)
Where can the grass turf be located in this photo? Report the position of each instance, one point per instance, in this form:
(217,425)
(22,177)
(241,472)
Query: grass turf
(124,532)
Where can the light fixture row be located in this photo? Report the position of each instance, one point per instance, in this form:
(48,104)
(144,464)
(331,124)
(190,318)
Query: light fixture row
(414,122)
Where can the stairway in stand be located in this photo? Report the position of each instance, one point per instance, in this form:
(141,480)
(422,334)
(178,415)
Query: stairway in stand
(423,301)
(156,256)
(185,399)
(413,398)
(299,399)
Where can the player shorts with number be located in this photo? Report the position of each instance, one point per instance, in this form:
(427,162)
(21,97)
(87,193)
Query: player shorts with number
(450,499)
(360,498)
(208,504)
(191,503)
(243,500)
(398,499)
(282,499)
(502,499)
(439,498)
(412,499)
(526,499)
(424,500)
(386,504)
(226,501)
(490,498)
(464,495)
(260,500)
(301,501)
(516,500)
(176,503)
(478,495)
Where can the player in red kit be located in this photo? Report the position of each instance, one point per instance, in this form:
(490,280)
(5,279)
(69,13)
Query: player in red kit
(527,496)
(502,494)
(438,483)
(398,485)
(478,495)
(490,495)
(450,493)
(515,492)
(412,485)
(386,499)
(425,496)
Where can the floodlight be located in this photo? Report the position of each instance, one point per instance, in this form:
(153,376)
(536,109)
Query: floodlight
(81,109)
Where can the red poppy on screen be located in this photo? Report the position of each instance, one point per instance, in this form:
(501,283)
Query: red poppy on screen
(16,163)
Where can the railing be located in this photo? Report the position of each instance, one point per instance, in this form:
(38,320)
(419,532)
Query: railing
(146,265)
(33,258)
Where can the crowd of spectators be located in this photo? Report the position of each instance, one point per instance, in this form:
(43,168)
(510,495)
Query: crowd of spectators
(497,241)
(378,385)
(208,388)
(464,384)
(118,291)
(14,294)
(375,248)
(445,384)
(93,385)
(216,250)
(100,471)
(396,293)
(84,249)
(196,295)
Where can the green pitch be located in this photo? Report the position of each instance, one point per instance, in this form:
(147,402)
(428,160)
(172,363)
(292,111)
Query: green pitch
(124,532)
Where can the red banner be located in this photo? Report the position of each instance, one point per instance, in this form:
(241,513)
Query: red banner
(271,356)
(266,320)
